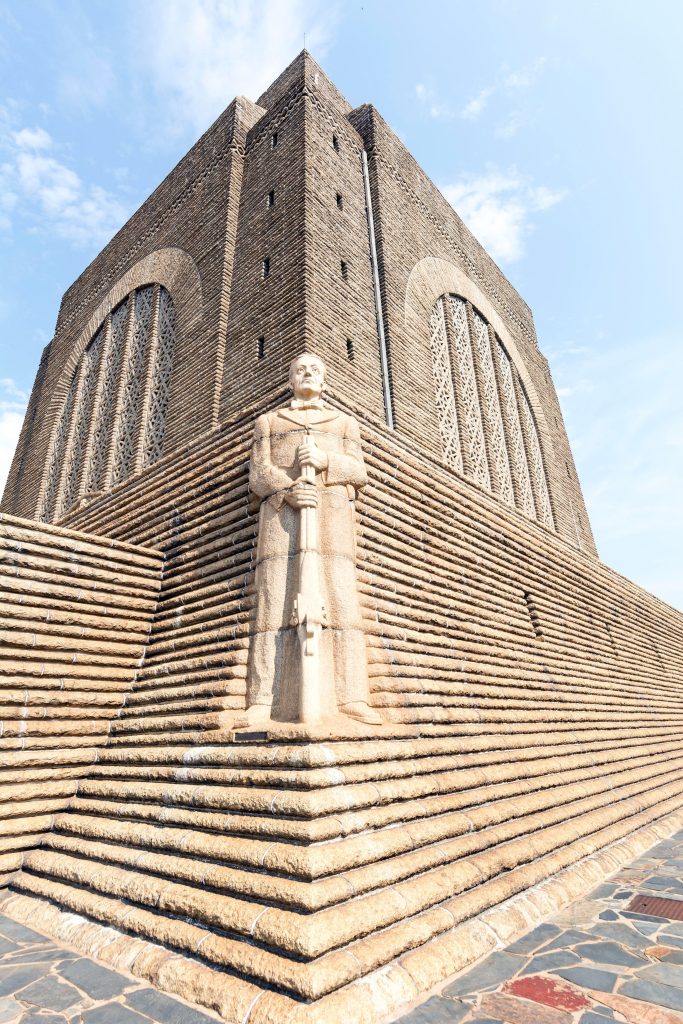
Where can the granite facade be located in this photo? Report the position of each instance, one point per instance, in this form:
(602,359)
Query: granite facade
(530,695)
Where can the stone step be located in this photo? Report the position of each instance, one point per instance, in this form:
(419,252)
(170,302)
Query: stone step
(170,703)
(185,676)
(55,741)
(540,762)
(408,913)
(149,724)
(387,854)
(179,738)
(143,854)
(489,780)
(479,739)
(68,623)
(475,785)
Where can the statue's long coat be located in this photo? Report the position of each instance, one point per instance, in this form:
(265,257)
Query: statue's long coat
(274,655)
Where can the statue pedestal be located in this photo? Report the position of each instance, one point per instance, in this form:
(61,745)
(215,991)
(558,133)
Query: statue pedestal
(332,727)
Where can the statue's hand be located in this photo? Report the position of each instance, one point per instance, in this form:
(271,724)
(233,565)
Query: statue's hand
(301,494)
(310,455)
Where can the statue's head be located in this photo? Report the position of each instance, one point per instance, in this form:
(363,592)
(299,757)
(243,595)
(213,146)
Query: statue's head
(307,376)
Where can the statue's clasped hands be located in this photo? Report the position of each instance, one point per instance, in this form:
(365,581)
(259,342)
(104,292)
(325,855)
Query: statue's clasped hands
(302,494)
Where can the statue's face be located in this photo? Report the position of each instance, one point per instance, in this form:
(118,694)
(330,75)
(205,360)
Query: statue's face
(307,377)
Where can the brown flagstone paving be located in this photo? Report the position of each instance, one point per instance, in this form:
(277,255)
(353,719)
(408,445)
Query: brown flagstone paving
(44,983)
(596,961)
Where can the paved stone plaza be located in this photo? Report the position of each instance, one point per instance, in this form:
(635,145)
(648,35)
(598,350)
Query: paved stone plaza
(594,962)
(40,981)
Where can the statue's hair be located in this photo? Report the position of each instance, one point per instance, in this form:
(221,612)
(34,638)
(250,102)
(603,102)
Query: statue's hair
(315,356)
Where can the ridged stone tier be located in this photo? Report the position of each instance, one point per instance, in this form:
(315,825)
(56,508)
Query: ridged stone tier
(307,873)
(75,614)
(532,729)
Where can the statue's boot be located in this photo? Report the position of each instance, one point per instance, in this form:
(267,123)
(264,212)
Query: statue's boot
(361,712)
(257,714)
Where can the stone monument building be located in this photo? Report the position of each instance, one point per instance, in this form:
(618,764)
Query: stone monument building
(294,868)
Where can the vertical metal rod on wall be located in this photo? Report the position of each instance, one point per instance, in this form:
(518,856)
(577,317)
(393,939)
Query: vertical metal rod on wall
(384,363)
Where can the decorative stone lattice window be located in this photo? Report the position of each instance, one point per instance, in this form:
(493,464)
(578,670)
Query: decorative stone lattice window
(113,419)
(488,431)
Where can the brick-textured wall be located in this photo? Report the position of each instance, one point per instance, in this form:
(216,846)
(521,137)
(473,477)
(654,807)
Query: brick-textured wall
(214,207)
(28,447)
(271,307)
(338,307)
(414,221)
(444,570)
(305,302)
(75,612)
(533,714)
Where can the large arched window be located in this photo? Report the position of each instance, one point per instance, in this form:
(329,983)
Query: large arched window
(113,419)
(488,431)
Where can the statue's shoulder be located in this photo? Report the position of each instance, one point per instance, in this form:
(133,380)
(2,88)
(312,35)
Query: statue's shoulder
(350,425)
(264,422)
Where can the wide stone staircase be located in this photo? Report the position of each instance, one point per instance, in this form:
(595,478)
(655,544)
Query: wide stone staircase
(303,868)
(532,745)
(75,616)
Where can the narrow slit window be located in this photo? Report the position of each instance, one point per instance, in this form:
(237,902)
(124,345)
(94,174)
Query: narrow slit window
(533,615)
(273,140)
(349,349)
(345,270)
(270,201)
(335,143)
(261,347)
(340,201)
(265,272)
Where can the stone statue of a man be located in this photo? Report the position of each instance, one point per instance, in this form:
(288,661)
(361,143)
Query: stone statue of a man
(307,461)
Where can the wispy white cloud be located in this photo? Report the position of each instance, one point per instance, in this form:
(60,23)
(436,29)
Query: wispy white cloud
(8,198)
(498,207)
(11,392)
(507,84)
(12,408)
(32,138)
(429,99)
(36,184)
(203,54)
(525,77)
(474,107)
(510,125)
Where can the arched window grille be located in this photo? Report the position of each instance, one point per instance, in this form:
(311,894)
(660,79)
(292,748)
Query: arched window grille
(113,420)
(487,427)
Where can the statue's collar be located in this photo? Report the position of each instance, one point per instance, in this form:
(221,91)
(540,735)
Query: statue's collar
(307,414)
(312,403)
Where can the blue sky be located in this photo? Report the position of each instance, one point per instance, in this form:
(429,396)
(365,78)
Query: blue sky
(554,129)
